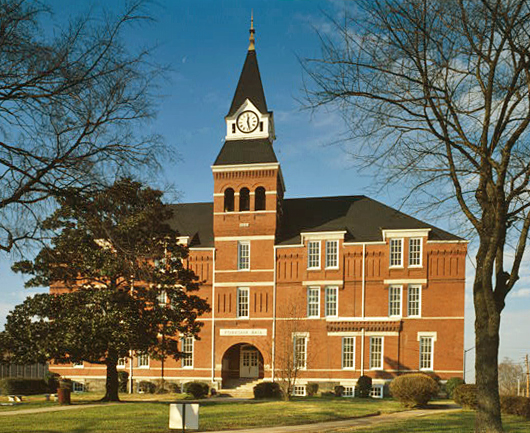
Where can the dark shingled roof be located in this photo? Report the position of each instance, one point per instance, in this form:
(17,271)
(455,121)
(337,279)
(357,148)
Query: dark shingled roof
(361,217)
(249,86)
(246,152)
(194,220)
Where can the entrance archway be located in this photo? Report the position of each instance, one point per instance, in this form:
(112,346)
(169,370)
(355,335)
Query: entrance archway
(242,361)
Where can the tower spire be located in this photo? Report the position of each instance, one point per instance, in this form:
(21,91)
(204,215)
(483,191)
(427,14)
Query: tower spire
(252,46)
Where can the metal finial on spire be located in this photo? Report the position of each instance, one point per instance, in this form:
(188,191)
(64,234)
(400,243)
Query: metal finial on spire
(252,46)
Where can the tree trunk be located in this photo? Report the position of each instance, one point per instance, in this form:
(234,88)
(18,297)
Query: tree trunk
(487,324)
(112,382)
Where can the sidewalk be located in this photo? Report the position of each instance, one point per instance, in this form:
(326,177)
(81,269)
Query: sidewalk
(328,426)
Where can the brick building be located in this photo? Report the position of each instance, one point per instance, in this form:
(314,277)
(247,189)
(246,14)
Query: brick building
(347,284)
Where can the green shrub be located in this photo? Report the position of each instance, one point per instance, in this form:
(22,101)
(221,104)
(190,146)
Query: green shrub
(267,390)
(174,387)
(339,390)
(197,389)
(363,387)
(466,396)
(123,379)
(512,405)
(327,394)
(452,384)
(146,387)
(23,386)
(414,390)
(311,389)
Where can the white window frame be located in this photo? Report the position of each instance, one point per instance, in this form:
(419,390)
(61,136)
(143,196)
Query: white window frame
(349,391)
(243,261)
(414,286)
(332,255)
(312,304)
(381,356)
(395,242)
(313,264)
(78,364)
(419,263)
(187,362)
(432,339)
(377,391)
(327,303)
(352,366)
(296,337)
(391,301)
(299,391)
(77,385)
(239,310)
(121,363)
(141,356)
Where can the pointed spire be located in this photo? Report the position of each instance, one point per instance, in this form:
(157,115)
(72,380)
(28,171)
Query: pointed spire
(252,45)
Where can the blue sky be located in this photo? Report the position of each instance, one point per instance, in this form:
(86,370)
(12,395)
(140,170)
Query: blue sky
(205,44)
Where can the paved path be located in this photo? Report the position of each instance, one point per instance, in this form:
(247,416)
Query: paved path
(356,423)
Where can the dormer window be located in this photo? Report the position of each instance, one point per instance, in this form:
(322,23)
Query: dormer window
(229,200)
(244,199)
(259,198)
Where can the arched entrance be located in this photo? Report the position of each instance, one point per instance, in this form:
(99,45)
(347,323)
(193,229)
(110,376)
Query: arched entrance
(242,361)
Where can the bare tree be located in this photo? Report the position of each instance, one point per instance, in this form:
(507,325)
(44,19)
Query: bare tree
(70,107)
(290,347)
(511,375)
(437,95)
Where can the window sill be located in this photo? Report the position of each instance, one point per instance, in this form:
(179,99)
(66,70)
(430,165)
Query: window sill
(348,368)
(313,317)
(313,269)
(415,267)
(331,268)
(396,267)
(144,367)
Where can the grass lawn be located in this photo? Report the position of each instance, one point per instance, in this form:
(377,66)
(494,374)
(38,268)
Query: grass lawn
(460,422)
(144,416)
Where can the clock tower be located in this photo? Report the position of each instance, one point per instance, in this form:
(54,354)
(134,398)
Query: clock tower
(248,184)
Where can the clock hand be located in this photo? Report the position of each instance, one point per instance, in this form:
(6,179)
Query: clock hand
(248,122)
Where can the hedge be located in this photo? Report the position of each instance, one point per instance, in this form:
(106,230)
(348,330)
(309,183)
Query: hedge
(466,396)
(23,386)
(197,389)
(363,388)
(452,384)
(267,390)
(414,390)
(513,405)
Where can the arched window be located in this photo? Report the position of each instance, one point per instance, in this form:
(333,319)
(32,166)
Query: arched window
(229,200)
(244,199)
(259,198)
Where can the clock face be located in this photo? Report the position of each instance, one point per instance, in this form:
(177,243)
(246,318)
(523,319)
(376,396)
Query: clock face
(247,121)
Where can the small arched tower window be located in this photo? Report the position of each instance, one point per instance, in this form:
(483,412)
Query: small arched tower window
(259,198)
(244,199)
(229,200)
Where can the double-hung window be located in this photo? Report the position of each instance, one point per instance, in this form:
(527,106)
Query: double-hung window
(313,255)
(426,353)
(332,301)
(187,350)
(300,351)
(162,298)
(414,301)
(396,253)
(394,300)
(121,362)
(242,302)
(415,252)
(348,353)
(332,254)
(143,360)
(243,256)
(376,353)
(313,302)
